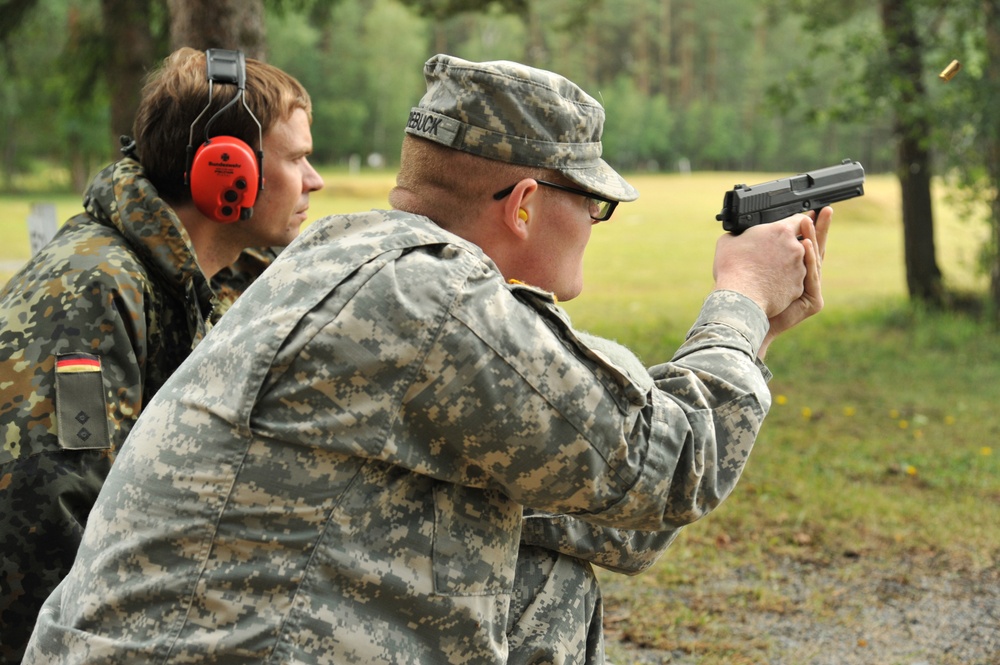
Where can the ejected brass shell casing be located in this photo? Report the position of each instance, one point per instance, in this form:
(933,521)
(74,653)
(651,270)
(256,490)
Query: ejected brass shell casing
(950,71)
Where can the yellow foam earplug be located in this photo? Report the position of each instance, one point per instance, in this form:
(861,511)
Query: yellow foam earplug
(522,214)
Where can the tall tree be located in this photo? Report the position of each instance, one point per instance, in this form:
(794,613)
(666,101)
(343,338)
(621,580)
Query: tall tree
(972,122)
(912,126)
(991,12)
(891,76)
(664,43)
(204,24)
(131,48)
(686,53)
(10,75)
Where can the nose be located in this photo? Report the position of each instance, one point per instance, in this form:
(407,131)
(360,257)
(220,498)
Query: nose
(312,180)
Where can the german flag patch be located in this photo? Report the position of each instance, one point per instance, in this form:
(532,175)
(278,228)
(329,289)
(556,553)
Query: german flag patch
(81,410)
(77,363)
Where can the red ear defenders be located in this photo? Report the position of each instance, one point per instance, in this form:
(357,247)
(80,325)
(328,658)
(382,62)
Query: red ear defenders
(225,174)
(224,179)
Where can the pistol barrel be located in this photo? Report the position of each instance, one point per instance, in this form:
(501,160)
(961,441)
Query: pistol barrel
(743,206)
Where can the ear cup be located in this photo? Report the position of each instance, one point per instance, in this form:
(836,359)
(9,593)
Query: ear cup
(224,179)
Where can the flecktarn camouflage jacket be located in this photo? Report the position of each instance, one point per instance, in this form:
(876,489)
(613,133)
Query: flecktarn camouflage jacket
(89,330)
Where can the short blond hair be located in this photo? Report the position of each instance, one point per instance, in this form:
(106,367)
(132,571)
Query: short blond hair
(450,186)
(176,93)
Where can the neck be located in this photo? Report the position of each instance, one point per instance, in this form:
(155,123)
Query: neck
(209,240)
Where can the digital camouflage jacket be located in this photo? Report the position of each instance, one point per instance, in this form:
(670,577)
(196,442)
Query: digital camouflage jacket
(338,473)
(89,330)
(543,598)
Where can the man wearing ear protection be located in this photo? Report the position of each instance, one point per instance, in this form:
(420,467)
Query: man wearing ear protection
(356,462)
(93,325)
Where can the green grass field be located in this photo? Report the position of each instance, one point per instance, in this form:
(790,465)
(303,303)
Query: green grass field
(881,446)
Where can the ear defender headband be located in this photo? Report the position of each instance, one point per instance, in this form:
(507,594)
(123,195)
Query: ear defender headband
(225,174)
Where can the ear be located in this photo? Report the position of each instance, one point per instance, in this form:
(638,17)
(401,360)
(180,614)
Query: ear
(518,207)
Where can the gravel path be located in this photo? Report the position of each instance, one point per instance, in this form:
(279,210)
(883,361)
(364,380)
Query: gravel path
(912,614)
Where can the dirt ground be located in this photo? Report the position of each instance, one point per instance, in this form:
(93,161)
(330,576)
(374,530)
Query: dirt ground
(913,613)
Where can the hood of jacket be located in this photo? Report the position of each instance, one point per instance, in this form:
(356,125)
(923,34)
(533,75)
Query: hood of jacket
(121,196)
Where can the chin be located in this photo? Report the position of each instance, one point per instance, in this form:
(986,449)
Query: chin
(292,233)
(564,296)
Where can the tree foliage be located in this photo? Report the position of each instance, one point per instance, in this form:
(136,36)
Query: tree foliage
(443,9)
(12,13)
(771,85)
(52,106)
(684,82)
(889,68)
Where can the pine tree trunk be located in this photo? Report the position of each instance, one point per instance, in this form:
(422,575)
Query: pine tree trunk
(991,69)
(132,53)
(923,277)
(231,24)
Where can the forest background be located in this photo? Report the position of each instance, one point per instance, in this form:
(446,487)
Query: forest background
(742,85)
(708,85)
(689,85)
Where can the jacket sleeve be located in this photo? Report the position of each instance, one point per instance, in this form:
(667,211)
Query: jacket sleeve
(70,359)
(618,550)
(624,551)
(562,428)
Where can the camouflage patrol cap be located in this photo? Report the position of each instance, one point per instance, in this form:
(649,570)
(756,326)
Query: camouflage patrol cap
(518,114)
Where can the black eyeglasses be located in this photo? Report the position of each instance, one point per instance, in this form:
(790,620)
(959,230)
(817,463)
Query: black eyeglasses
(600,208)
